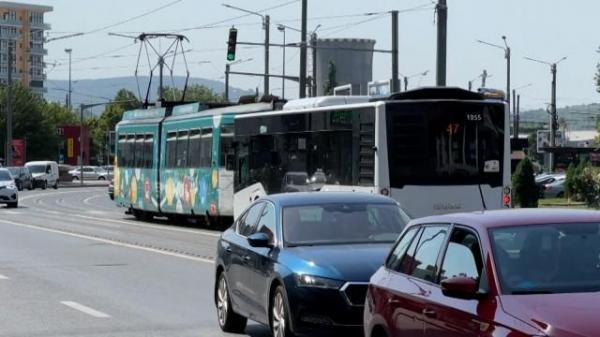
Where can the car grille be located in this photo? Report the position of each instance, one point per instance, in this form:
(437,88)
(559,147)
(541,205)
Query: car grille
(355,293)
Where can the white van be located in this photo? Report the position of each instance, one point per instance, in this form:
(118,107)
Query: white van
(44,173)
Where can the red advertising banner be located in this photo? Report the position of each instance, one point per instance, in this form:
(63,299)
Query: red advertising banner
(19,148)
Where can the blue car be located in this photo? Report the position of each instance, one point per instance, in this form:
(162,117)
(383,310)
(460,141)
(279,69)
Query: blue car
(300,262)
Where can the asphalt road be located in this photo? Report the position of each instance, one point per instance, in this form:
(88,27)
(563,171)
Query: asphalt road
(73,264)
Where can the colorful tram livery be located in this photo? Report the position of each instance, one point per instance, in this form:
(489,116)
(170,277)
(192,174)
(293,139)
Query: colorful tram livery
(178,161)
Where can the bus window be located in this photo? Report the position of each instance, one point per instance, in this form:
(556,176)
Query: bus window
(182,149)
(171,154)
(206,148)
(139,151)
(445,143)
(194,148)
(227,151)
(148,150)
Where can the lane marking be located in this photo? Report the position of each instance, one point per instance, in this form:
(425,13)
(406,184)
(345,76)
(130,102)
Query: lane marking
(111,242)
(2,277)
(79,190)
(88,199)
(11,212)
(84,309)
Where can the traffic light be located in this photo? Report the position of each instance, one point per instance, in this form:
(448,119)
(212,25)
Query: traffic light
(231,44)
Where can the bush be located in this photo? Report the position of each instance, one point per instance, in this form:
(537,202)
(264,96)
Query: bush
(589,189)
(525,190)
(578,183)
(569,181)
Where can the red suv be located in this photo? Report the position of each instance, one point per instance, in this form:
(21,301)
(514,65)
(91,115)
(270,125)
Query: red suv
(496,273)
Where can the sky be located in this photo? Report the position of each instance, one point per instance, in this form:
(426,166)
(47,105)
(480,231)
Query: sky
(541,29)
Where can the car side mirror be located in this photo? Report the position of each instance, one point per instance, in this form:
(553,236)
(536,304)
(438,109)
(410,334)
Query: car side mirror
(259,240)
(464,288)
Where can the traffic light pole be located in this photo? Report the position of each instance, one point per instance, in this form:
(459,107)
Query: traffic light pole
(553,117)
(227,67)
(267,23)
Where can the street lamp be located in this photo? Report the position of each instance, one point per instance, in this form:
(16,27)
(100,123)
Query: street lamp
(553,115)
(266,22)
(506,49)
(281,28)
(406,78)
(227,69)
(69,103)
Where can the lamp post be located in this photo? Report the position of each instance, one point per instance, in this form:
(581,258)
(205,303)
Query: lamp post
(406,78)
(69,103)
(266,25)
(507,56)
(227,69)
(553,116)
(281,28)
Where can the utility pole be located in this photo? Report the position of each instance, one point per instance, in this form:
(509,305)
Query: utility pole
(395,81)
(507,55)
(81,108)
(227,68)
(442,17)
(267,23)
(484,77)
(313,43)
(69,102)
(518,114)
(281,28)
(9,112)
(553,115)
(161,65)
(515,134)
(303,54)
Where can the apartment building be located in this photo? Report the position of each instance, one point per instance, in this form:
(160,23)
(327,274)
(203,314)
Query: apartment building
(22,27)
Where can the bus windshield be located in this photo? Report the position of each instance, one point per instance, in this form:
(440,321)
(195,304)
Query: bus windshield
(445,143)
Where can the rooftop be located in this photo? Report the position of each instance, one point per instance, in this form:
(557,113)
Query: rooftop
(19,5)
(316,198)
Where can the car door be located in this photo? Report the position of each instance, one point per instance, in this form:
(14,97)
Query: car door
(459,317)
(412,282)
(262,261)
(239,274)
(88,173)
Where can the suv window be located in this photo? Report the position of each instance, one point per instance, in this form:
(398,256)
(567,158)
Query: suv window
(463,256)
(247,222)
(266,224)
(424,264)
(394,261)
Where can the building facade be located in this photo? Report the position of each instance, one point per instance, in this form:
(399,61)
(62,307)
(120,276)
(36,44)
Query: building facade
(22,29)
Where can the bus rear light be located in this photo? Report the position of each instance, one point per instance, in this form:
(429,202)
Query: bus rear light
(385,191)
(506,200)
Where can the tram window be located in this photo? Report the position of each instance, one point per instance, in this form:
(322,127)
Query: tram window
(139,151)
(129,152)
(148,150)
(194,148)
(182,149)
(206,148)
(121,149)
(171,149)
(227,151)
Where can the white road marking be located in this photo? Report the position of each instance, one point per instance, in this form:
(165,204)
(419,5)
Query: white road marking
(11,212)
(114,243)
(84,309)
(78,190)
(87,200)
(2,277)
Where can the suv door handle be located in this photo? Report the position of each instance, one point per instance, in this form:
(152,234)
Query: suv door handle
(429,313)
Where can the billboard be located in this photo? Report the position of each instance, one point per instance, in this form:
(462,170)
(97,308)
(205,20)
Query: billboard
(19,151)
(543,139)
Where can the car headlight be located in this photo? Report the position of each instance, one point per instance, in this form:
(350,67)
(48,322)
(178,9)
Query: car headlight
(303,280)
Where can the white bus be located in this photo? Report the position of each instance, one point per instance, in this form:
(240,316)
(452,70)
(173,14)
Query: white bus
(435,150)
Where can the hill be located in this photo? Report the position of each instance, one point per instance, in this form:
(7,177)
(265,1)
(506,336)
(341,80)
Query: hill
(577,117)
(99,90)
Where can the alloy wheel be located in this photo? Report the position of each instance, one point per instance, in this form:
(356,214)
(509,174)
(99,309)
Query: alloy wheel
(222,301)
(279,322)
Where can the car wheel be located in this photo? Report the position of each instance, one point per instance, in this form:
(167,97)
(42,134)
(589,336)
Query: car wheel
(30,187)
(280,318)
(19,187)
(44,185)
(229,321)
(101,178)
(55,186)
(13,205)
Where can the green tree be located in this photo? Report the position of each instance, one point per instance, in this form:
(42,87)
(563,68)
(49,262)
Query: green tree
(569,181)
(194,93)
(526,192)
(331,81)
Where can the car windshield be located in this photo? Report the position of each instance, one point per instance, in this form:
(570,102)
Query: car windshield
(553,258)
(5,175)
(297,179)
(342,223)
(37,168)
(14,170)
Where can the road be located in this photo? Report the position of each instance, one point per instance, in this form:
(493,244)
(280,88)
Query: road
(73,264)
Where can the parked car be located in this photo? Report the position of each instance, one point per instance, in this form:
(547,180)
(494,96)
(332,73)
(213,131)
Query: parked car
(544,179)
(22,176)
(111,190)
(555,189)
(295,182)
(9,194)
(45,173)
(512,273)
(109,171)
(300,262)
(89,173)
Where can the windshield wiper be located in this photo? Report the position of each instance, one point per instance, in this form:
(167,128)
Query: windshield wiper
(531,292)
